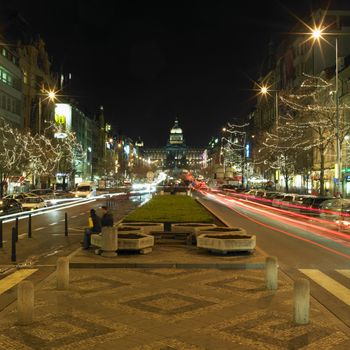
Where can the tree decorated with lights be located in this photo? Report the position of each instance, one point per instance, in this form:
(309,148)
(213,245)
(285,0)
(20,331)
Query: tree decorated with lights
(233,146)
(308,122)
(66,150)
(22,153)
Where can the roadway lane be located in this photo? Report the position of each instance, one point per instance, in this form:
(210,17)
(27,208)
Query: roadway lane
(304,249)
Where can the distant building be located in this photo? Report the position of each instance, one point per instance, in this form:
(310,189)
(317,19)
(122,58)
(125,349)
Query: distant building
(176,155)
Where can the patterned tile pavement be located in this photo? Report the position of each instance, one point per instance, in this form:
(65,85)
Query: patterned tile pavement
(275,330)
(168,309)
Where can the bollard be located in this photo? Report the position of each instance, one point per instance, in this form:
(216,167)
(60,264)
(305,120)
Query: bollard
(62,273)
(271,273)
(25,302)
(65,224)
(109,242)
(30,226)
(1,243)
(17,229)
(301,301)
(13,246)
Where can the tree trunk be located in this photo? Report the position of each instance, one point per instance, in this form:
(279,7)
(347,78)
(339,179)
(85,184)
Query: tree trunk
(286,180)
(322,159)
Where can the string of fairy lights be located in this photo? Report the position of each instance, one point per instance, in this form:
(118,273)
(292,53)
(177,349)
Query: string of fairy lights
(23,153)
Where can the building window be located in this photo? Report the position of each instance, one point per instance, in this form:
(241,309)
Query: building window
(3,52)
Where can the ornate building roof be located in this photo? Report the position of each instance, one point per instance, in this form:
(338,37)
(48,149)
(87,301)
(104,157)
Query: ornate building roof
(176,136)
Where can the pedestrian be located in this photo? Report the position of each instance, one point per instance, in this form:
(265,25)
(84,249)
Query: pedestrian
(94,227)
(107,219)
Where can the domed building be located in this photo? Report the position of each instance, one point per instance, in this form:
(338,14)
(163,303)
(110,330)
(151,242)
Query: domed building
(176,149)
(175,155)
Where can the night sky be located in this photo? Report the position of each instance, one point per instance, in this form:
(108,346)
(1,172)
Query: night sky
(148,62)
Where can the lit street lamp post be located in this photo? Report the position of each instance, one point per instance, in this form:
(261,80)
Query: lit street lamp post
(317,34)
(264,90)
(48,95)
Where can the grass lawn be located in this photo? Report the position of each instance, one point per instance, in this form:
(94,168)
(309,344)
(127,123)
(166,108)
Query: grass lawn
(170,208)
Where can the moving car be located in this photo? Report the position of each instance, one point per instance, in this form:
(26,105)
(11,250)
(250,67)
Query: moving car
(86,190)
(10,206)
(32,203)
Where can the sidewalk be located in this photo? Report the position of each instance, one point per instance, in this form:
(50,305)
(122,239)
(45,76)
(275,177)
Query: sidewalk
(168,308)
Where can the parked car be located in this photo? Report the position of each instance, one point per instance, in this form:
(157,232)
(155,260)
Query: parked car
(270,196)
(31,203)
(277,200)
(251,193)
(312,204)
(44,193)
(334,208)
(19,196)
(290,201)
(10,206)
(337,210)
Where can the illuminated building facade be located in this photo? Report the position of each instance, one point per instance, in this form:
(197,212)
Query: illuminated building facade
(176,155)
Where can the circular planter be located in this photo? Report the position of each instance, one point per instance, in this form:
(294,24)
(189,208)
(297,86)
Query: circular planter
(224,241)
(146,226)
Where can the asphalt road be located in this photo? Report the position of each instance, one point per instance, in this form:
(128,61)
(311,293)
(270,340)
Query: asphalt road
(305,248)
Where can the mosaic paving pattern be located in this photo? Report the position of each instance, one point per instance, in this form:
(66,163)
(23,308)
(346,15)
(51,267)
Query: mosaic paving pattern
(169,344)
(168,305)
(273,330)
(96,284)
(63,332)
(170,273)
(243,286)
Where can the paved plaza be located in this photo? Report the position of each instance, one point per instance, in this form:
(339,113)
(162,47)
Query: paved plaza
(168,308)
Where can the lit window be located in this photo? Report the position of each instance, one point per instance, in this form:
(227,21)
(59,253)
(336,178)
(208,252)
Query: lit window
(3,52)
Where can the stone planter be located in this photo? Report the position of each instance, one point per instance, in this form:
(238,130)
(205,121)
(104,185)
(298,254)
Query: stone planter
(191,228)
(224,241)
(146,226)
(135,241)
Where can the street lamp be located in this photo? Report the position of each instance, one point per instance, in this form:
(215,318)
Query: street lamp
(265,90)
(49,95)
(317,33)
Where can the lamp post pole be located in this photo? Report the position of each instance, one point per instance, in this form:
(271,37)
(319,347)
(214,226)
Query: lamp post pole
(264,90)
(40,114)
(338,163)
(317,34)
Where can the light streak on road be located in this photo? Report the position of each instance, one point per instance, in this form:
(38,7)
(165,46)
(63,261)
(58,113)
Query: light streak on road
(24,215)
(268,211)
(313,229)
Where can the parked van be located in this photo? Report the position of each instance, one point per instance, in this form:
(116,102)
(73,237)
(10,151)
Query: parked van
(86,190)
